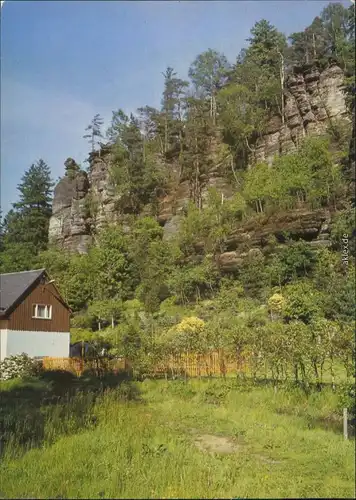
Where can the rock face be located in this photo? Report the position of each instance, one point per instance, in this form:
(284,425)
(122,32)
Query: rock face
(68,227)
(311,100)
(83,202)
(102,192)
(311,226)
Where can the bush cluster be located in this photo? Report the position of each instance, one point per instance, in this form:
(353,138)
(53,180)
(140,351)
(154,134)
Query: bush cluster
(20,365)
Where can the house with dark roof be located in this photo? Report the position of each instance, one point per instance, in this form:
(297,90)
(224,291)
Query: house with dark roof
(34,318)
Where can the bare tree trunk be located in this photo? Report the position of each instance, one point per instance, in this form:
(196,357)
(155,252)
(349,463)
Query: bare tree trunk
(282,79)
(180,154)
(196,181)
(233,170)
(307,56)
(165,134)
(249,147)
(214,109)
(314,48)
(332,372)
(161,144)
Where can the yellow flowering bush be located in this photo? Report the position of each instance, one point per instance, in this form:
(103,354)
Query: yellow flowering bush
(191,325)
(186,336)
(276,304)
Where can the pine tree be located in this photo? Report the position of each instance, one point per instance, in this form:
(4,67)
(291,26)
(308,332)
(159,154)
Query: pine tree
(33,211)
(266,55)
(25,227)
(309,45)
(71,168)
(330,35)
(208,73)
(128,172)
(119,121)
(172,107)
(335,19)
(254,90)
(94,131)
(152,129)
(197,155)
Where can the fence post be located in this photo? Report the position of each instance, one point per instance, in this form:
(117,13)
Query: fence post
(345,424)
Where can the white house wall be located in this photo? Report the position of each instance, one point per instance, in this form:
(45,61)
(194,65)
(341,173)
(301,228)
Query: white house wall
(3,342)
(53,344)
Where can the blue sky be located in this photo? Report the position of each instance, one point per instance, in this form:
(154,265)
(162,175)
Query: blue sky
(64,61)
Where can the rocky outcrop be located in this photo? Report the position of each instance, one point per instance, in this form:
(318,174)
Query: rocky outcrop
(83,202)
(103,198)
(312,226)
(312,99)
(69,224)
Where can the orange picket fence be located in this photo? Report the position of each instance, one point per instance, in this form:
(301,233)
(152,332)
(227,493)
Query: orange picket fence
(188,364)
(79,365)
(200,365)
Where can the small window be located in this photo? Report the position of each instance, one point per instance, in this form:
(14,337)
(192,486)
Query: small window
(42,312)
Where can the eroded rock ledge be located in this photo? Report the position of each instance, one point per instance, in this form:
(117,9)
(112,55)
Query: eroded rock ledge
(84,202)
(312,226)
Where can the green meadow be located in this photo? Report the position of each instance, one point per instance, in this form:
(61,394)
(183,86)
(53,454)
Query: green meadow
(172,439)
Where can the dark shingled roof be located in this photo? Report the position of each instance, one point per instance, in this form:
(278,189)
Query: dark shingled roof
(14,285)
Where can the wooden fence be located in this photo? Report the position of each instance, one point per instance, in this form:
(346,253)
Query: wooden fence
(79,365)
(200,365)
(188,364)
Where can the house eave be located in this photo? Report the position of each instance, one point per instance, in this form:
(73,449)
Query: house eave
(4,314)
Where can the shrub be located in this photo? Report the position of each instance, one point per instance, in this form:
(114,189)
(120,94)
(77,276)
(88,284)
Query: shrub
(20,365)
(188,335)
(347,398)
(81,321)
(276,304)
(81,334)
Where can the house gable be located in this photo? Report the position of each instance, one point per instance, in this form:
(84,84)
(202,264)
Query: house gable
(15,286)
(21,317)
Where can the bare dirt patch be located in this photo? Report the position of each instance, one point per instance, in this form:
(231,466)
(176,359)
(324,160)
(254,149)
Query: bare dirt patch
(216,444)
(210,443)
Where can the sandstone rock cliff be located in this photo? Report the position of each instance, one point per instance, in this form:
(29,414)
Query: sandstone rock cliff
(312,226)
(84,202)
(311,100)
(69,225)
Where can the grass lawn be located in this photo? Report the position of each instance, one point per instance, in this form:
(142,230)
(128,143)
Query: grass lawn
(200,439)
